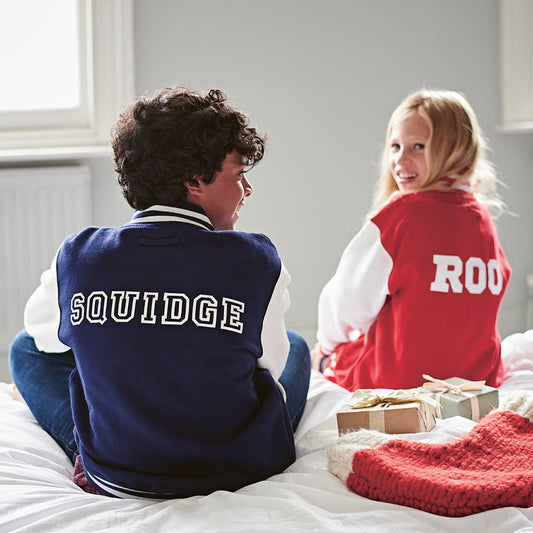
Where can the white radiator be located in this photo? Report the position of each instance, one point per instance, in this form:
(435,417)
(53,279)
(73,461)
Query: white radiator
(39,207)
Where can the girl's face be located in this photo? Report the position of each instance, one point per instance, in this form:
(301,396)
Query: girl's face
(407,153)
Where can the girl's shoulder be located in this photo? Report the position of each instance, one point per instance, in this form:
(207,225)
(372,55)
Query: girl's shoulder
(397,204)
(427,207)
(430,198)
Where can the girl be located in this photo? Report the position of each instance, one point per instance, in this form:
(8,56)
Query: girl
(418,289)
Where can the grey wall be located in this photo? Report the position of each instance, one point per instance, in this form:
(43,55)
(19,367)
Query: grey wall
(321,78)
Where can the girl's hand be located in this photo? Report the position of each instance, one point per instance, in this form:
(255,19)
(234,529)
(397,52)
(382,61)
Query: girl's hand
(316,356)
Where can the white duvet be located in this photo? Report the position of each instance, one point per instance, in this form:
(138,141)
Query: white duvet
(37,494)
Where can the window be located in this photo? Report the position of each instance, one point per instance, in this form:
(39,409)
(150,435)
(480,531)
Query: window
(516,67)
(67,68)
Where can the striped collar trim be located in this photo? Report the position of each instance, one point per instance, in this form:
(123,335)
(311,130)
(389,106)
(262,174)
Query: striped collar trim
(166,213)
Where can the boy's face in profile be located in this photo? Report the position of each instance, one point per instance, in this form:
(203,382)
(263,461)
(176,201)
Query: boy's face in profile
(224,196)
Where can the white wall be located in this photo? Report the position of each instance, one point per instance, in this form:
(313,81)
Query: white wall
(321,78)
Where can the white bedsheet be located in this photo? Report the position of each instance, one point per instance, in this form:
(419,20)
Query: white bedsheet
(37,494)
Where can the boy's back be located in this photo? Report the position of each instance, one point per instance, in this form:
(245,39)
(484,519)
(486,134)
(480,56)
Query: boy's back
(166,323)
(169,370)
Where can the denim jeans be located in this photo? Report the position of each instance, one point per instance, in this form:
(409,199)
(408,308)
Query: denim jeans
(295,377)
(43,381)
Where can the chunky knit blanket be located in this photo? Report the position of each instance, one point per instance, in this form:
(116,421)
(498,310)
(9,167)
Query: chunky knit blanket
(491,466)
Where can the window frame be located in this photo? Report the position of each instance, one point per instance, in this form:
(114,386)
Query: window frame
(107,62)
(516,66)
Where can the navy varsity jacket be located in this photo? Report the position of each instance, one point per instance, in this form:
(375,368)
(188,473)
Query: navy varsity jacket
(179,338)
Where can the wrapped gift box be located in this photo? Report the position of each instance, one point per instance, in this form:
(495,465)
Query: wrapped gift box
(408,417)
(453,404)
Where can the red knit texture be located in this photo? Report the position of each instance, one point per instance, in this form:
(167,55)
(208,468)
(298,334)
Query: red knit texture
(489,467)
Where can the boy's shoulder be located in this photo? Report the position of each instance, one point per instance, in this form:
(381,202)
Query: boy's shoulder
(90,235)
(247,239)
(98,238)
(252,243)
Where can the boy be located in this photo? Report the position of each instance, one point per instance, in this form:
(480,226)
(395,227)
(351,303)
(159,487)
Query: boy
(171,326)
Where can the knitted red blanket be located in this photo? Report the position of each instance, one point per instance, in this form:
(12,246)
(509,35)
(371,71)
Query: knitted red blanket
(489,467)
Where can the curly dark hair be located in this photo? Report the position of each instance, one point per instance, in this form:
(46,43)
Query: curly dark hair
(175,136)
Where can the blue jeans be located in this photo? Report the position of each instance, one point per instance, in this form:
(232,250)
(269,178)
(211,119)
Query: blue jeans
(43,381)
(295,377)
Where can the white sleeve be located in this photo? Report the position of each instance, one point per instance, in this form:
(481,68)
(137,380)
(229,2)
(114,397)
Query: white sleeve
(352,299)
(42,314)
(274,333)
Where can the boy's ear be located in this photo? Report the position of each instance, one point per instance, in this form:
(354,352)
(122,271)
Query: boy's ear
(194,189)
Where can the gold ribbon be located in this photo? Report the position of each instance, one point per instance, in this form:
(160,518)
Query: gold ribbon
(461,390)
(369,398)
(363,398)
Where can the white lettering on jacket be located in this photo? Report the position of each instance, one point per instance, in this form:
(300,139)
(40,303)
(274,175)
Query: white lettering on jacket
(177,308)
(477,277)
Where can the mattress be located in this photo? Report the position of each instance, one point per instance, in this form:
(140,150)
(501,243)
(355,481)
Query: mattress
(37,493)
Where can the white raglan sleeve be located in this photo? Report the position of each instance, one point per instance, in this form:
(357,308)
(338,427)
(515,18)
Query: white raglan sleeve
(42,314)
(274,333)
(352,299)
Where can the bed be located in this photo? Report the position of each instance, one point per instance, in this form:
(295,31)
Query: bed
(37,494)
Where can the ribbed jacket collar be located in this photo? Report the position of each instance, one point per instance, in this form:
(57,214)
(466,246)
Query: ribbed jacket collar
(186,213)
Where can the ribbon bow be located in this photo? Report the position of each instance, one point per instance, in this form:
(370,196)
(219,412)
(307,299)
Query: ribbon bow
(461,390)
(368,398)
(364,398)
(444,386)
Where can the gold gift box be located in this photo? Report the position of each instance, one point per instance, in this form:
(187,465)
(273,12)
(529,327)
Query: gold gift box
(411,412)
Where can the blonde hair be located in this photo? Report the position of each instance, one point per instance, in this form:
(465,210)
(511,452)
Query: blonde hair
(455,149)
